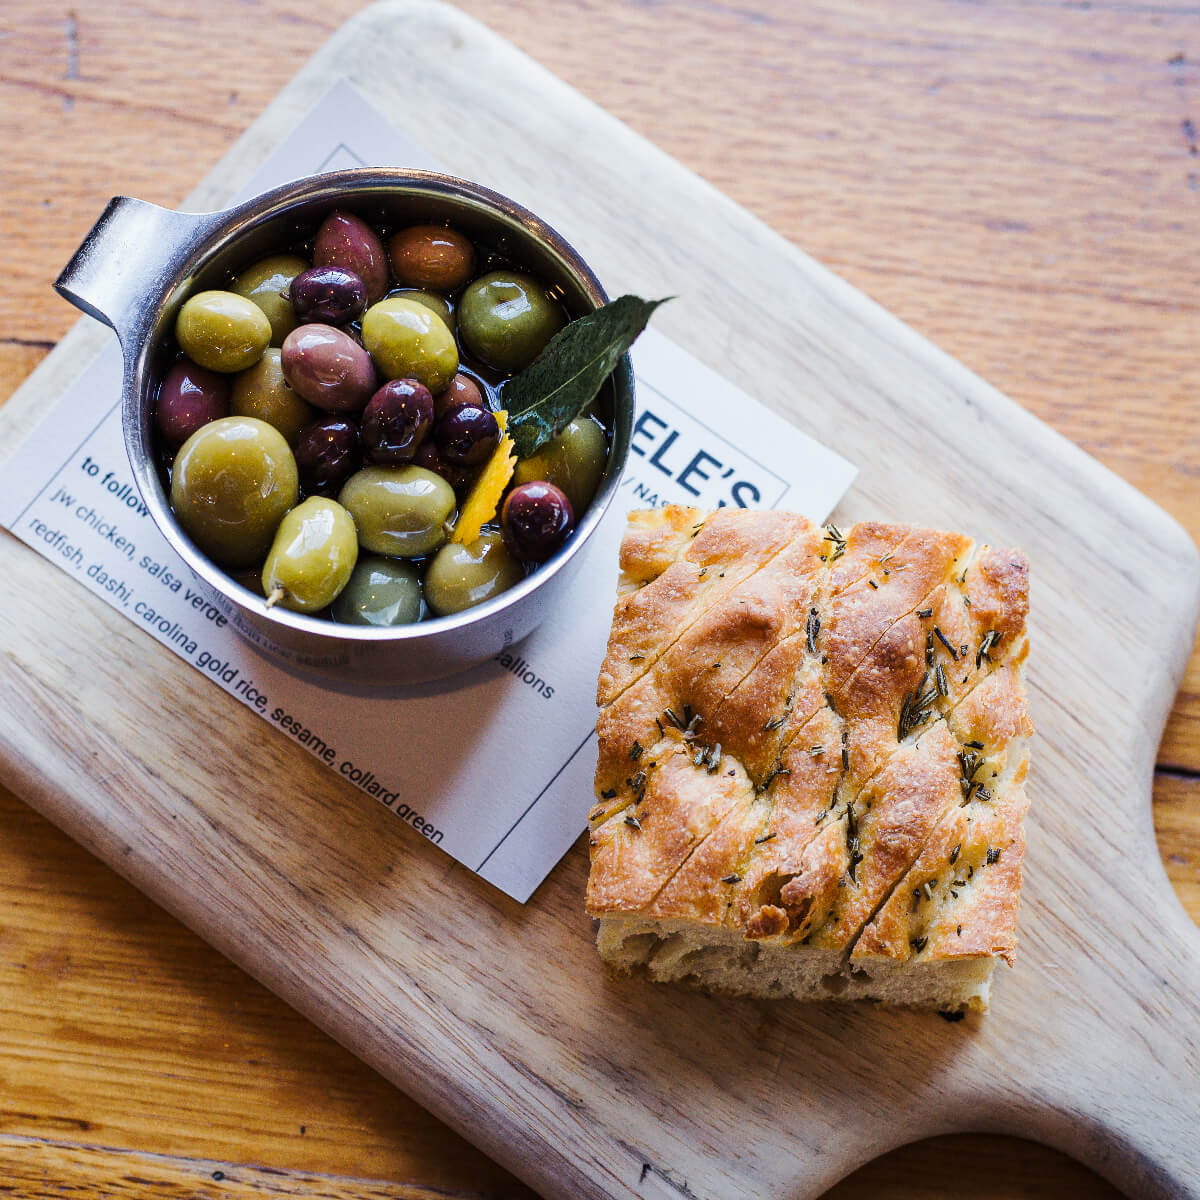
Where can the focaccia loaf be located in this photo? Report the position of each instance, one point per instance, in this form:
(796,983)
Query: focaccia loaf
(812,756)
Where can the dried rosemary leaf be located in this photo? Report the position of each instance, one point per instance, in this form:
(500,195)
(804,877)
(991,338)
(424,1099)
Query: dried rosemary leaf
(813,629)
(990,639)
(941,637)
(714,759)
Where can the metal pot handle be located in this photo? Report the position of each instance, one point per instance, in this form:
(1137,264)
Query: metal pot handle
(125,263)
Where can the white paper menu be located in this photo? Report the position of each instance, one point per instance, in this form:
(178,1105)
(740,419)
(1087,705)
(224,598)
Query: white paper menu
(494,765)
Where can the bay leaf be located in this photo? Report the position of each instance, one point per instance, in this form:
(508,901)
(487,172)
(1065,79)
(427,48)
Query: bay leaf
(565,378)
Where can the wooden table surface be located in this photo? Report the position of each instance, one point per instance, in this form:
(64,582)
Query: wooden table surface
(1020,181)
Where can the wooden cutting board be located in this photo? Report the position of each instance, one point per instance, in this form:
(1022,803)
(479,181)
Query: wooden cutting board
(497,1016)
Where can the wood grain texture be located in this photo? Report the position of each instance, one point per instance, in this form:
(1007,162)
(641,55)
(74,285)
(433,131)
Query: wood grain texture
(42,1169)
(828,155)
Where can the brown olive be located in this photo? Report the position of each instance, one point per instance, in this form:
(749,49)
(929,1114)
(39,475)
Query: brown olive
(430,256)
(461,390)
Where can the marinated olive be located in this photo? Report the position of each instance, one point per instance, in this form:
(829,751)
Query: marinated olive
(536,520)
(331,295)
(505,319)
(429,256)
(399,511)
(232,481)
(222,331)
(462,576)
(327,454)
(267,283)
(395,421)
(462,389)
(408,341)
(264,392)
(573,461)
(467,435)
(189,397)
(328,368)
(381,591)
(345,241)
(310,560)
(429,457)
(433,302)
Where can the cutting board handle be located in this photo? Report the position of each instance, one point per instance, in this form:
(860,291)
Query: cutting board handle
(1113,1079)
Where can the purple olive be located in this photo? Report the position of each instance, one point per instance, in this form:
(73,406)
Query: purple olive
(327,454)
(462,389)
(189,396)
(344,240)
(396,420)
(331,295)
(467,435)
(328,368)
(536,519)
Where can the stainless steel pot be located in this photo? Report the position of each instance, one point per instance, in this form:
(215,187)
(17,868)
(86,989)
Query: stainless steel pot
(140,262)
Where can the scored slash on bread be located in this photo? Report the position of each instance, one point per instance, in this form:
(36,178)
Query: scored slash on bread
(812,755)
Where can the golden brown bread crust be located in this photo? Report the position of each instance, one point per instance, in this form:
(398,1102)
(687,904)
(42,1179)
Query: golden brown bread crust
(799,728)
(715,553)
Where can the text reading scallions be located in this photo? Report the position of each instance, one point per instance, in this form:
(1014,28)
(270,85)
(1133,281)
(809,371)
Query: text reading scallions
(514,664)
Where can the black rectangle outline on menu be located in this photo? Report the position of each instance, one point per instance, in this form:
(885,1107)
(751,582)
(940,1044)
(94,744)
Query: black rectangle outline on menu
(333,154)
(591,733)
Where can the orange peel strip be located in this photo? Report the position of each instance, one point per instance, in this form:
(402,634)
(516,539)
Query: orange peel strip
(484,497)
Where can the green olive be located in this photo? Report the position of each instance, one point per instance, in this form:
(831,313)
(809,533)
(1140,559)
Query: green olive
(506,318)
(381,591)
(407,340)
(312,556)
(222,331)
(433,302)
(263,392)
(231,483)
(462,576)
(268,284)
(400,511)
(573,461)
